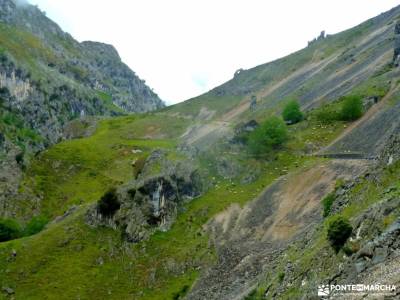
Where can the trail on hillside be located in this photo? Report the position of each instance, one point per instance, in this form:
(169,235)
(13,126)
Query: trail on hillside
(379,62)
(212,130)
(219,127)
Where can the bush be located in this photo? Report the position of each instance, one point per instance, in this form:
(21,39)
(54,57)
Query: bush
(352,108)
(19,158)
(292,113)
(35,225)
(327,114)
(108,204)
(181,294)
(9,230)
(268,136)
(281,276)
(327,204)
(339,230)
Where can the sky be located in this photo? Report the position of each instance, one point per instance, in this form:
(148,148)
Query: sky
(183,48)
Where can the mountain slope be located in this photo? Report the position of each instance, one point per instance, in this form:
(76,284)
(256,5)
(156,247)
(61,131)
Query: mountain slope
(197,215)
(47,79)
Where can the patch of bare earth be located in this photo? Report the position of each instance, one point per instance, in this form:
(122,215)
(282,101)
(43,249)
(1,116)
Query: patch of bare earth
(247,238)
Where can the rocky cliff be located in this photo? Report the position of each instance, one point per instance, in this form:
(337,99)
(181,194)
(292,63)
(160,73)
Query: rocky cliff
(48,79)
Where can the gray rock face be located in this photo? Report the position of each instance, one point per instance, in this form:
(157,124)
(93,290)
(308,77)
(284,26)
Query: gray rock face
(47,79)
(152,201)
(63,79)
(128,91)
(391,152)
(396,58)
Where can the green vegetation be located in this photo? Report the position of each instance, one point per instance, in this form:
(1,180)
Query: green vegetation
(270,135)
(35,225)
(108,203)
(347,108)
(14,128)
(9,230)
(85,262)
(352,108)
(292,113)
(327,114)
(108,102)
(82,170)
(339,230)
(181,293)
(173,256)
(215,105)
(24,46)
(327,203)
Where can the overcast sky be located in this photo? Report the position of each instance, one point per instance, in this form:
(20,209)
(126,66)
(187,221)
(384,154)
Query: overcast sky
(183,48)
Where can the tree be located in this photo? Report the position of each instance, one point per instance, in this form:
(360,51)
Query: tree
(268,136)
(108,204)
(339,230)
(352,108)
(292,113)
(9,230)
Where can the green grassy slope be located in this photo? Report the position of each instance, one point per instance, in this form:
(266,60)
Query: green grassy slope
(69,259)
(79,171)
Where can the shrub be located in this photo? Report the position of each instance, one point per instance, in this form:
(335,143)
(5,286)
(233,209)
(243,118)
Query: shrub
(19,158)
(35,225)
(4,92)
(281,276)
(339,230)
(327,114)
(9,230)
(292,113)
(352,108)
(351,248)
(108,203)
(180,294)
(270,135)
(327,204)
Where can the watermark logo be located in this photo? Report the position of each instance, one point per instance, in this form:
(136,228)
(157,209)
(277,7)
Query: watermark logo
(356,289)
(323,290)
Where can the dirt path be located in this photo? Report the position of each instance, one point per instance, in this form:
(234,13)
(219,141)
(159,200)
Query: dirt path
(196,134)
(222,124)
(380,61)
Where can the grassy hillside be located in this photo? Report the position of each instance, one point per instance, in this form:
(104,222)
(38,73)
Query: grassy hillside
(70,259)
(90,262)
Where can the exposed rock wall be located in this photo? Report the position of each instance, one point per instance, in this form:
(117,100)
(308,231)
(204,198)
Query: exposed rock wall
(152,201)
(396,56)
